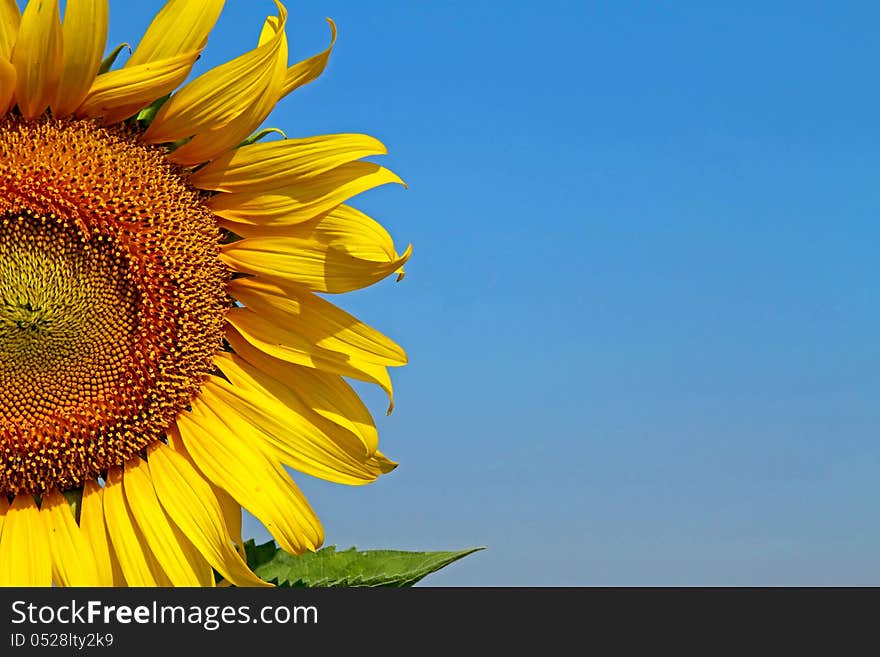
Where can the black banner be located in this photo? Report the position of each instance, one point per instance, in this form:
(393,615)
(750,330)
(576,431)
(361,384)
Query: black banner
(266,621)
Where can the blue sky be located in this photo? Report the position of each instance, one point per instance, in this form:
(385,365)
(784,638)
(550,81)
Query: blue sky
(642,310)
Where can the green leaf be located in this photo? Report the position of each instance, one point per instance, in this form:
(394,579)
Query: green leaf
(331,568)
(109,59)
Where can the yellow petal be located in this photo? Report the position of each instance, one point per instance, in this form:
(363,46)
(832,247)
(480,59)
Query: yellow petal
(182,26)
(91,521)
(229,507)
(232,517)
(292,347)
(132,549)
(327,395)
(258,483)
(303,262)
(303,199)
(320,322)
(10,19)
(261,167)
(118,94)
(309,69)
(190,502)
(37,57)
(8,76)
(183,564)
(4,507)
(344,228)
(85,35)
(222,107)
(25,559)
(264,412)
(73,562)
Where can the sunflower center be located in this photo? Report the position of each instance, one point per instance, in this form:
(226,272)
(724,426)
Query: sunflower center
(68,316)
(112,299)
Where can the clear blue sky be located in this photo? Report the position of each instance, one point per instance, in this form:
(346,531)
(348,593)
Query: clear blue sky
(644,304)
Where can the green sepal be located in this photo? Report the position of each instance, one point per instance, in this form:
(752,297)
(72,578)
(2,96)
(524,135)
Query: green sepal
(74,499)
(260,135)
(174,145)
(145,116)
(347,568)
(111,58)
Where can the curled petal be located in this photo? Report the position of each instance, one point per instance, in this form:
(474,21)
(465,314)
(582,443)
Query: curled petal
(309,69)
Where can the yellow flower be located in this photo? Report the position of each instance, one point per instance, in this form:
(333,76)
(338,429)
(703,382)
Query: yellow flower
(163,351)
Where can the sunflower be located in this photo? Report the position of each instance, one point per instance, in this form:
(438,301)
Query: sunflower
(166,347)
